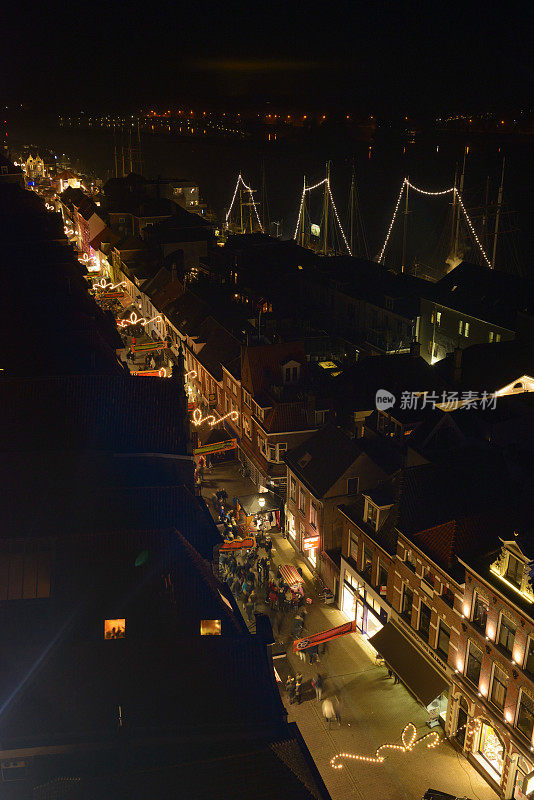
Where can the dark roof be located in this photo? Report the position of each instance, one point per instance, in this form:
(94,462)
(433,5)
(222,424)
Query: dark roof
(323,459)
(187,312)
(489,367)
(483,293)
(285,417)
(358,384)
(261,365)
(220,349)
(93,412)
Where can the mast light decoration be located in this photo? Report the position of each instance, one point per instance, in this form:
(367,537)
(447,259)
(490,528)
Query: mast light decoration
(249,190)
(310,189)
(454,191)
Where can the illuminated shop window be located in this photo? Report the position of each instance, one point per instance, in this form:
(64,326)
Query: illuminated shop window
(210,627)
(491,749)
(115,629)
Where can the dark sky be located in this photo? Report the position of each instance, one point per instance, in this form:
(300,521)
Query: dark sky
(382,57)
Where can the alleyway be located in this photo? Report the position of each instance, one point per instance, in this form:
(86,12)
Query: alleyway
(374,710)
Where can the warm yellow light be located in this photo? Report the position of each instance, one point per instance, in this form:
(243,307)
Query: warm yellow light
(210,627)
(114,629)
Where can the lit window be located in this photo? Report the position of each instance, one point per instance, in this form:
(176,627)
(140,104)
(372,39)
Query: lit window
(461,327)
(302,500)
(114,629)
(473,664)
(498,687)
(438,317)
(506,635)
(514,571)
(313,514)
(210,627)
(525,716)
(372,515)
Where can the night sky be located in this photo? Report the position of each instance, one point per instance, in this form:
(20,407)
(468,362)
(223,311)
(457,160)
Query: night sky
(374,57)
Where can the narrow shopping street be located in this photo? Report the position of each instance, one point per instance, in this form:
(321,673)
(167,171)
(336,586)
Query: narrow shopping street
(374,710)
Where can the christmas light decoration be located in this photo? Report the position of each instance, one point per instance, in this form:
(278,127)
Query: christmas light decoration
(212,421)
(135,320)
(192,373)
(156,373)
(409,741)
(453,190)
(249,190)
(106,286)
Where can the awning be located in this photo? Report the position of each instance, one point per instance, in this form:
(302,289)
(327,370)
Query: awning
(290,574)
(413,670)
(251,506)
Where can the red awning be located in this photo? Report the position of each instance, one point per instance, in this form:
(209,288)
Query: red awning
(290,574)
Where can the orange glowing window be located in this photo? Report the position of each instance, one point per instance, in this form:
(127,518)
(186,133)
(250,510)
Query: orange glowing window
(210,627)
(114,629)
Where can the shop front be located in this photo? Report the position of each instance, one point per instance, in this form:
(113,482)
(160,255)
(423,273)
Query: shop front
(489,751)
(523,769)
(360,602)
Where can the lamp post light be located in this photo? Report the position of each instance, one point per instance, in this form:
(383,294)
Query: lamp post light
(261,503)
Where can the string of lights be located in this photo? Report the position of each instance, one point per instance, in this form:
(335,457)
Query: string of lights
(338,220)
(310,189)
(135,320)
(249,190)
(409,741)
(212,421)
(105,286)
(453,190)
(381,256)
(191,374)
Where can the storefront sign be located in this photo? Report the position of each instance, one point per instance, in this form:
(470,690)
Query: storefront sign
(383,591)
(324,636)
(310,543)
(239,544)
(218,447)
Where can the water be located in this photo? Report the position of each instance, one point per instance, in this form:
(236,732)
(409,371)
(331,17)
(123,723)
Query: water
(430,163)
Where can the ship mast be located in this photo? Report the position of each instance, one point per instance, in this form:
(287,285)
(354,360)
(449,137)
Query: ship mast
(497,218)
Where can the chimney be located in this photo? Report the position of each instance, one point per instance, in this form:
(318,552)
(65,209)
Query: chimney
(415,349)
(457,364)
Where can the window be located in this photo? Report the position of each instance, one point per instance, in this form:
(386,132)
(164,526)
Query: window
(514,571)
(114,629)
(352,485)
(480,613)
(497,337)
(353,545)
(425,615)
(292,489)
(444,635)
(474,664)
(407,602)
(372,515)
(234,389)
(382,580)
(271,452)
(525,715)
(226,404)
(246,427)
(313,515)
(529,658)
(491,336)
(410,561)
(461,327)
(367,563)
(448,596)
(506,635)
(210,627)
(429,577)
(246,398)
(438,317)
(302,500)
(282,448)
(320,417)
(498,687)
(262,445)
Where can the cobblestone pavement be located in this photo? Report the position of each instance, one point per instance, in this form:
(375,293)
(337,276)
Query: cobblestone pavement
(374,710)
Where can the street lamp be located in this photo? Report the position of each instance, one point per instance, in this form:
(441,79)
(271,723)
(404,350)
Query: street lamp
(261,502)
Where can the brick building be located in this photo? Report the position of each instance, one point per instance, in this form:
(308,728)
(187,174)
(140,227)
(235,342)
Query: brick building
(492,716)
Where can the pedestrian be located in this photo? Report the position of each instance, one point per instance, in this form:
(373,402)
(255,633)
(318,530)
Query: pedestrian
(395,678)
(290,689)
(298,687)
(390,672)
(249,607)
(268,546)
(337,710)
(328,711)
(317,684)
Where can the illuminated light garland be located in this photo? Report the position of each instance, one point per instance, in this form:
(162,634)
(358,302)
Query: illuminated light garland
(456,194)
(192,373)
(409,741)
(212,421)
(135,320)
(104,286)
(310,189)
(249,190)
(381,256)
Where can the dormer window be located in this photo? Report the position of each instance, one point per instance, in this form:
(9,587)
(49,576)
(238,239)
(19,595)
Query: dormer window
(514,571)
(372,515)
(291,372)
